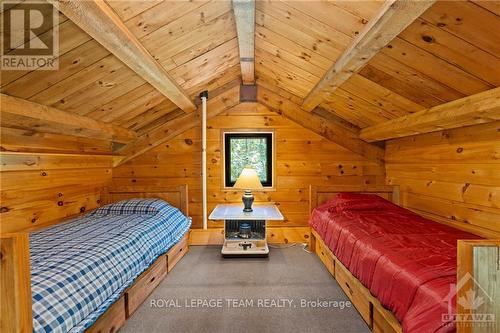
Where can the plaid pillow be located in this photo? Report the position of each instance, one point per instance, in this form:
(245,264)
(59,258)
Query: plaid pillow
(134,206)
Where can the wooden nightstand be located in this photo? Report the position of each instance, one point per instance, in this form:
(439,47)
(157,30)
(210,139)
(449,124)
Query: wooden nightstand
(245,233)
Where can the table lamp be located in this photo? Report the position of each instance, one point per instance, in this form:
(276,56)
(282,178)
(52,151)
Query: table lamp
(248,181)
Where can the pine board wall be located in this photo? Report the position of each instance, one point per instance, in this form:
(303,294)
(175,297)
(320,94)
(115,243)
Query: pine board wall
(450,176)
(48,177)
(302,158)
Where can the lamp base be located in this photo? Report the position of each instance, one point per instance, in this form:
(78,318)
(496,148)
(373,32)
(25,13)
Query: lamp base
(247,199)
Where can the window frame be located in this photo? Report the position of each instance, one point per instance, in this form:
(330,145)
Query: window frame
(270,185)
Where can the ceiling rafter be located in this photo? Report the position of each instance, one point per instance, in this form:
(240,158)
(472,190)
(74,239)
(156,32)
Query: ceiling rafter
(338,133)
(99,20)
(393,17)
(20,113)
(480,108)
(244,13)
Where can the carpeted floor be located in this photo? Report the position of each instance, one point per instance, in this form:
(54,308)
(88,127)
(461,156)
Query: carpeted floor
(207,293)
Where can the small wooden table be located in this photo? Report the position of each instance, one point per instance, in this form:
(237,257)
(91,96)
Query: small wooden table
(245,233)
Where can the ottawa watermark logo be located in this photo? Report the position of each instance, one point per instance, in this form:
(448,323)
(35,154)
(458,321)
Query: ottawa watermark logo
(30,35)
(474,300)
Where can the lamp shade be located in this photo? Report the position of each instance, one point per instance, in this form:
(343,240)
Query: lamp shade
(248,180)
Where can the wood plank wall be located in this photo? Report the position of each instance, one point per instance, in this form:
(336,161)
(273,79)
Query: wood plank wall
(451,176)
(48,177)
(302,158)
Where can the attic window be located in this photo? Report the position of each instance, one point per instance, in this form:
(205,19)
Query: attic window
(248,148)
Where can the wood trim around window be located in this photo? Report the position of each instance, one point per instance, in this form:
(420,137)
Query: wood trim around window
(247,131)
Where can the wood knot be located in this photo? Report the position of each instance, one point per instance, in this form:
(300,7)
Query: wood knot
(459,150)
(428,39)
(43,173)
(189,142)
(82,209)
(4,209)
(60,203)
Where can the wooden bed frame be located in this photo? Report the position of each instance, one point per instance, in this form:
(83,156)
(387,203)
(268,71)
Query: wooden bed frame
(378,318)
(15,283)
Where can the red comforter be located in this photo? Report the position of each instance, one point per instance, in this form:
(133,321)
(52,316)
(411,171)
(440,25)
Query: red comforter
(406,261)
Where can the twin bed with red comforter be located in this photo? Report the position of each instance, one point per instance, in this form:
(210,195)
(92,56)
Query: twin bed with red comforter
(406,261)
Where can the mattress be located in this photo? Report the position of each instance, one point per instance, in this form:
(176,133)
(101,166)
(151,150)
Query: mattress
(406,261)
(81,267)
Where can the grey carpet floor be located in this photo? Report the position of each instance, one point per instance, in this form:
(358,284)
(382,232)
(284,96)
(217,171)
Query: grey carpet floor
(269,295)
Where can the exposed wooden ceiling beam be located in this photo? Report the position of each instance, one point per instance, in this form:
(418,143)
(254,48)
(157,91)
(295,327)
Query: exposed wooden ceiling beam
(215,105)
(476,109)
(20,113)
(244,12)
(99,20)
(332,131)
(393,17)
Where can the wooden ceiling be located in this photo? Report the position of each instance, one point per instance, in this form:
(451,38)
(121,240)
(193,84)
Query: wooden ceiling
(450,52)
(194,41)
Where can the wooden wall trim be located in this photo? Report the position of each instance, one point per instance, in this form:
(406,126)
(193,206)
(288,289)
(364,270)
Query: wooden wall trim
(481,108)
(15,284)
(20,113)
(20,161)
(99,20)
(275,235)
(392,18)
(466,278)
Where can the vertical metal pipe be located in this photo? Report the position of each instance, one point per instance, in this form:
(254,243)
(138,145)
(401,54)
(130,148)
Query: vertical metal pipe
(204,97)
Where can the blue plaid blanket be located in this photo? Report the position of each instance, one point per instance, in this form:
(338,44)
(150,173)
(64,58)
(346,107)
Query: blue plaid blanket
(81,267)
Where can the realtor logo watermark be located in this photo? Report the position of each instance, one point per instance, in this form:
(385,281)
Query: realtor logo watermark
(244,303)
(30,35)
(474,302)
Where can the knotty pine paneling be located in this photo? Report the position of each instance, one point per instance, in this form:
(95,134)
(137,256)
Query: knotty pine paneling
(302,158)
(451,176)
(46,178)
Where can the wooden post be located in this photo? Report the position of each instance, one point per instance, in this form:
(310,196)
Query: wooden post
(480,276)
(15,284)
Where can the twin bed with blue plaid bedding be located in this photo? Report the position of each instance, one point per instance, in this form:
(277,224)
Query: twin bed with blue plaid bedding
(81,267)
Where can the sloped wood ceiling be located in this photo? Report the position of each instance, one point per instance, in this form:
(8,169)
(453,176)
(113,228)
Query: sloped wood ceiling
(449,52)
(195,41)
